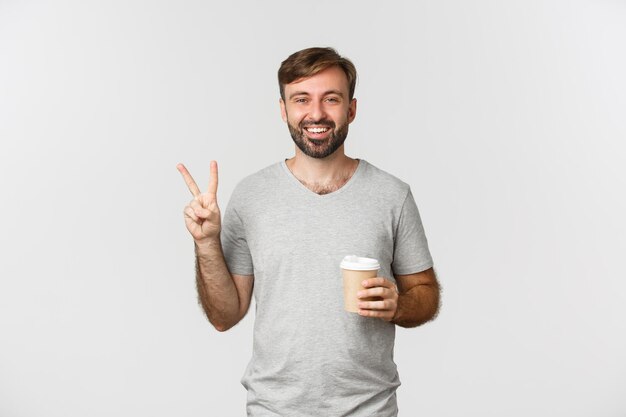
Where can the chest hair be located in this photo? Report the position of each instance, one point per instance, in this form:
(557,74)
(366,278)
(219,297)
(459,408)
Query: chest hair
(322,189)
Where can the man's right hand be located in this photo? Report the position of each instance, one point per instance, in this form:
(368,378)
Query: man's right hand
(202,215)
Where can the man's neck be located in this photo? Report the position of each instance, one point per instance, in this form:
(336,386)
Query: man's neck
(322,175)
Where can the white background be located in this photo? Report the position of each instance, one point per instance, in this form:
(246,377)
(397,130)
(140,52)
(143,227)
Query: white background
(507,118)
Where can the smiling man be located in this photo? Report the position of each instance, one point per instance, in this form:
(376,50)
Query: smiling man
(314,104)
(284,234)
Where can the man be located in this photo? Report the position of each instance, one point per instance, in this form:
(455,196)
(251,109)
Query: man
(285,232)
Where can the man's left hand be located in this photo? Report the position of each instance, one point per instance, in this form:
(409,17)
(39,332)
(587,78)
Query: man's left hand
(386,294)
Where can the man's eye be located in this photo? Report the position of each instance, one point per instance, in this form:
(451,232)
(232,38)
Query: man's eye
(300,100)
(332,100)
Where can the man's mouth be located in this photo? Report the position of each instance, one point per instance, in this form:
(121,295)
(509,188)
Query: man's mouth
(317,129)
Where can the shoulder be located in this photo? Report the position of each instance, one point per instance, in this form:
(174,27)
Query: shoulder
(259,177)
(390,186)
(255,184)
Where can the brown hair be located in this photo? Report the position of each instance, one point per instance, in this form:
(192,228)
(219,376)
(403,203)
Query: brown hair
(310,61)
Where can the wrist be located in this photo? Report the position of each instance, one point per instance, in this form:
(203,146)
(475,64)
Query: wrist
(207,245)
(397,316)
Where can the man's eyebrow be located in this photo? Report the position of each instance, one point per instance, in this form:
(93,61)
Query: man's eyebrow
(298,93)
(304,93)
(339,93)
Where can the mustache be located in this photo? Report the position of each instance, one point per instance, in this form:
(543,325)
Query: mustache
(321,122)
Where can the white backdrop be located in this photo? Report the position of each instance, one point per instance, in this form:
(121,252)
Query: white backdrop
(507,118)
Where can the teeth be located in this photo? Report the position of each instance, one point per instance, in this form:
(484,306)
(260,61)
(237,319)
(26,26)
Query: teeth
(317,129)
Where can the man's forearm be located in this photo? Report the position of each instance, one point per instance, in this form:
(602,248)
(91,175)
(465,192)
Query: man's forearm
(216,290)
(417,306)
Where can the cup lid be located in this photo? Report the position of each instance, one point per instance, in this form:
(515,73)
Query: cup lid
(358,263)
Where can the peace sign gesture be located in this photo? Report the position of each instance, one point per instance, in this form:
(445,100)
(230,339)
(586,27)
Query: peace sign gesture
(202,215)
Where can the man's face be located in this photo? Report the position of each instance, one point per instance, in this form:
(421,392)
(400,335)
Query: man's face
(318,111)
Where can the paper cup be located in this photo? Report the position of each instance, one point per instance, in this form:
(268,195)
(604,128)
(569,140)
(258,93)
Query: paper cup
(355,269)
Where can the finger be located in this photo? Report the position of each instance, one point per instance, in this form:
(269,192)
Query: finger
(385,315)
(377,282)
(372,292)
(192,215)
(196,203)
(214,178)
(191,184)
(199,210)
(375,305)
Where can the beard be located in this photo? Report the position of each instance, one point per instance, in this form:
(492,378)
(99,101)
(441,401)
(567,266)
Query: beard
(318,148)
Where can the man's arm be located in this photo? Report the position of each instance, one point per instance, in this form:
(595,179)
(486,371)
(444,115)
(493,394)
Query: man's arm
(418,299)
(225,298)
(415,302)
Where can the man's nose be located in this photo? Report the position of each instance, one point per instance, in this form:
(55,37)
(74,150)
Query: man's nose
(317,111)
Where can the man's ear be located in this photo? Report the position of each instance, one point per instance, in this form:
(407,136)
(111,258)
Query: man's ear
(283,110)
(352,110)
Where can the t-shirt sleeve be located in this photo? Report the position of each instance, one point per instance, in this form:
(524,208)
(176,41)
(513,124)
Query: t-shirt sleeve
(411,253)
(234,243)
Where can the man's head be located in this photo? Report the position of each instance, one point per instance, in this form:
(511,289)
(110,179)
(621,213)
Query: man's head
(317,99)
(310,61)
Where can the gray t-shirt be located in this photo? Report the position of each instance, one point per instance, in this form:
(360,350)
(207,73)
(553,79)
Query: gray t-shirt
(310,357)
